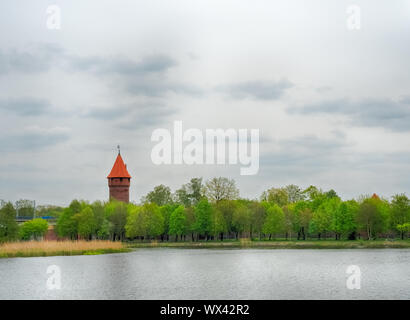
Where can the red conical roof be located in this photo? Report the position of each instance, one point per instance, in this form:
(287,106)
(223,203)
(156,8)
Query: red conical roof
(119,170)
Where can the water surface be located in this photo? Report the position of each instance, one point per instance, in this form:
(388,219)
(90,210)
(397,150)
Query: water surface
(162,273)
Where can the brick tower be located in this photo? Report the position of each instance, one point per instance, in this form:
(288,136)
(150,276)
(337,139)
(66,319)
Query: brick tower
(119,180)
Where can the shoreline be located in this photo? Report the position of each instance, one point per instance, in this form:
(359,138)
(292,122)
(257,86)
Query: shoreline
(77,248)
(306,244)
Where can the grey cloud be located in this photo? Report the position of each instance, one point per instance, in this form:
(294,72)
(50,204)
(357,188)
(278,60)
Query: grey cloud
(132,116)
(29,141)
(307,152)
(37,58)
(41,57)
(159,87)
(257,89)
(120,65)
(25,106)
(143,77)
(387,113)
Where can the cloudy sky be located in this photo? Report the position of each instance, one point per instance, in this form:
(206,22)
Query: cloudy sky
(332,104)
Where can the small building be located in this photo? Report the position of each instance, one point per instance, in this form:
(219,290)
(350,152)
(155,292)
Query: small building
(119,181)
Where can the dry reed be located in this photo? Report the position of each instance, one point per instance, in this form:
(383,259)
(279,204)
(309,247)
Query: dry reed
(50,248)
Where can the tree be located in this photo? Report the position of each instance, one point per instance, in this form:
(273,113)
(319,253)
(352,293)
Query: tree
(190,194)
(312,192)
(146,221)
(86,223)
(155,219)
(190,221)
(48,211)
(241,219)
(218,189)
(372,216)
(116,214)
(33,229)
(344,219)
(25,208)
(135,225)
(166,212)
(278,196)
(289,220)
(218,224)
(275,221)
(203,218)
(8,224)
(66,224)
(302,216)
(295,194)
(331,194)
(161,195)
(101,229)
(178,223)
(226,208)
(400,213)
(258,216)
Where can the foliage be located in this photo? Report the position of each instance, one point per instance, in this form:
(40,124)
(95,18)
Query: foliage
(33,229)
(8,224)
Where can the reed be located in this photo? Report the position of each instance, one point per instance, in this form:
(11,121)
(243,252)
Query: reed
(59,248)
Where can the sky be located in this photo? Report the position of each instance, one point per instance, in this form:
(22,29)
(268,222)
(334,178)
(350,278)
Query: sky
(332,104)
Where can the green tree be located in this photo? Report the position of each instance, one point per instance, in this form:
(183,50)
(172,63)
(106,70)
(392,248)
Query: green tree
(136,226)
(400,213)
(101,230)
(155,219)
(275,221)
(278,196)
(190,194)
(241,219)
(302,216)
(86,223)
(373,216)
(145,222)
(8,224)
(258,216)
(218,224)
(66,224)
(161,195)
(116,214)
(203,218)
(33,229)
(178,223)
(166,212)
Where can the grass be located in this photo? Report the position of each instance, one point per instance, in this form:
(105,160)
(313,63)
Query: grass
(254,244)
(59,248)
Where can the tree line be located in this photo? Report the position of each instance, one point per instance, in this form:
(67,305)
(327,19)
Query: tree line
(214,211)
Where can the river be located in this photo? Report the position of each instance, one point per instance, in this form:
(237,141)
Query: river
(162,273)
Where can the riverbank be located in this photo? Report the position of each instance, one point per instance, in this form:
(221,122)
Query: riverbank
(314,244)
(59,248)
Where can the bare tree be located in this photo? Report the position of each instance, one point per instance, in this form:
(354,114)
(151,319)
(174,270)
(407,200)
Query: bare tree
(218,189)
